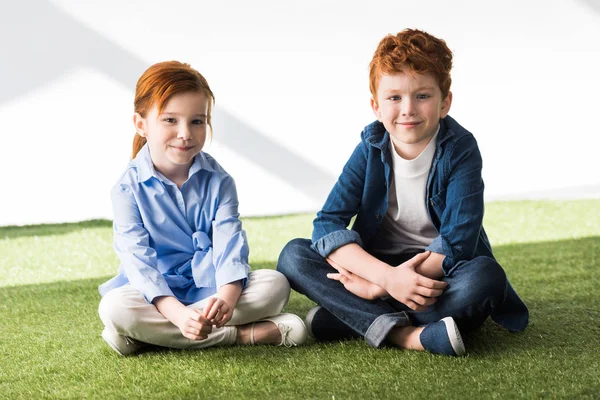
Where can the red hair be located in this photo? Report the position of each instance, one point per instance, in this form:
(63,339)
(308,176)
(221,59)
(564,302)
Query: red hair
(162,81)
(415,50)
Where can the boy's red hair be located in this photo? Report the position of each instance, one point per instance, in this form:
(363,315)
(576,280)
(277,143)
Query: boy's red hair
(162,81)
(416,51)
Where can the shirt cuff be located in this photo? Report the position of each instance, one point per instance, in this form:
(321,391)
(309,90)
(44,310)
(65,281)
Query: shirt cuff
(153,290)
(441,247)
(232,273)
(436,246)
(334,240)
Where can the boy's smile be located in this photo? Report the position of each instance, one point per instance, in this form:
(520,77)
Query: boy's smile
(410,106)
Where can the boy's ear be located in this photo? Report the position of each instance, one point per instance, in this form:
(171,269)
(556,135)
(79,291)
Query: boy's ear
(446,103)
(140,124)
(375,108)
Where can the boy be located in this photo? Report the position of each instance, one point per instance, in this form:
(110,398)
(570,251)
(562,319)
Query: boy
(416,269)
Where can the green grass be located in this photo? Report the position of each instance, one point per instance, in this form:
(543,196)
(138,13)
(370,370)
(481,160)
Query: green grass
(50,345)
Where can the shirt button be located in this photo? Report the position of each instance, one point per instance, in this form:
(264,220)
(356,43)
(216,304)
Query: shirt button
(377,217)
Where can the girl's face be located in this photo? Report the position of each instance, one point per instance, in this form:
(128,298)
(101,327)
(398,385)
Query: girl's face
(177,134)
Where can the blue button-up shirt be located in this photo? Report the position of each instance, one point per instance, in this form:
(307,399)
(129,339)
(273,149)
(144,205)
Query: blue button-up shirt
(184,242)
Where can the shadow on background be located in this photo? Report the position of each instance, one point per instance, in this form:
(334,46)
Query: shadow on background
(42,43)
(594,5)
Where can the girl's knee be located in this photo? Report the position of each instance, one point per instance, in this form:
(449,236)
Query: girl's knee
(106,309)
(277,290)
(116,312)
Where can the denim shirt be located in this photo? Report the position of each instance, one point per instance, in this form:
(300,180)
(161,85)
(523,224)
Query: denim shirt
(454,198)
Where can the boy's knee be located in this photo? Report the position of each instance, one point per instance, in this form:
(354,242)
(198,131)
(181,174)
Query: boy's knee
(489,279)
(290,256)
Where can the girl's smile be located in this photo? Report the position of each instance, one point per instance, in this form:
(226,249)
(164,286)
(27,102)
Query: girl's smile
(175,135)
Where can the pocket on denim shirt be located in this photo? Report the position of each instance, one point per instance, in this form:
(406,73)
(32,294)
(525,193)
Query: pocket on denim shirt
(439,202)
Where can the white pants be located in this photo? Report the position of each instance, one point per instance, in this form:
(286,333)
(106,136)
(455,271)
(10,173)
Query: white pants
(127,312)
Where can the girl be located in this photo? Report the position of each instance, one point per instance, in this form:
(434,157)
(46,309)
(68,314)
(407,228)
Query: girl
(184,279)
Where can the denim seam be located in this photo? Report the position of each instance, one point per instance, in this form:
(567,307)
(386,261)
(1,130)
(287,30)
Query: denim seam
(379,329)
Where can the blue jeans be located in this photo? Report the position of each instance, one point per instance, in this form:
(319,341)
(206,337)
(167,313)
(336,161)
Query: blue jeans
(475,288)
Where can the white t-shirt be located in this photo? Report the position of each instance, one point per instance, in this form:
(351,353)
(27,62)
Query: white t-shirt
(406,225)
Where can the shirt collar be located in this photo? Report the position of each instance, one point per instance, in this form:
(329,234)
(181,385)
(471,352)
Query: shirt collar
(146,170)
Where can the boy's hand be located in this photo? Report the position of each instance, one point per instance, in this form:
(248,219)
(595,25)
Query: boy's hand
(193,325)
(218,312)
(407,286)
(355,284)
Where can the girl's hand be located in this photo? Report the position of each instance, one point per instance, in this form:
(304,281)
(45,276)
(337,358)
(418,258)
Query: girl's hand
(193,325)
(355,284)
(218,312)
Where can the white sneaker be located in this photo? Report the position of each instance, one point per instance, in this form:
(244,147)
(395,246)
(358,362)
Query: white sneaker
(292,328)
(123,345)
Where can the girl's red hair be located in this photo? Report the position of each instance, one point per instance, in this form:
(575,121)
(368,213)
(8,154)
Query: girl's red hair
(162,81)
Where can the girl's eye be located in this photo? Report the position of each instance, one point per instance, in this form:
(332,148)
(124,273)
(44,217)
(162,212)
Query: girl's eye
(170,120)
(197,122)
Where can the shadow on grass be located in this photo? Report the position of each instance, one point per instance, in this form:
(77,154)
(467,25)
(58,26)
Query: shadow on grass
(14,231)
(557,280)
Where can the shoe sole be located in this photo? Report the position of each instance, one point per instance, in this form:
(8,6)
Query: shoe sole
(110,343)
(454,335)
(308,320)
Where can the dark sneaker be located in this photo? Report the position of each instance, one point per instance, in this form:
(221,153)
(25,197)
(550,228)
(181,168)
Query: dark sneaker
(443,337)
(324,326)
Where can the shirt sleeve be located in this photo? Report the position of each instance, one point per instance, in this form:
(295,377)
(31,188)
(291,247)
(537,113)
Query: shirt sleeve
(330,226)
(230,244)
(132,244)
(462,206)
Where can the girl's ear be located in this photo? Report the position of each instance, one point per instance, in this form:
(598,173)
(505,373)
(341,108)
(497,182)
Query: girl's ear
(140,124)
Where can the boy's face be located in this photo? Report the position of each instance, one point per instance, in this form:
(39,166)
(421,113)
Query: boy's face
(410,106)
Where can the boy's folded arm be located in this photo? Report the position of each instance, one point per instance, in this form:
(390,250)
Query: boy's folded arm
(462,217)
(330,226)
(432,266)
(355,259)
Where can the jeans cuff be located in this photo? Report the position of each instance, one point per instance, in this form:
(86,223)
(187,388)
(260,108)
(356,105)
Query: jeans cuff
(382,325)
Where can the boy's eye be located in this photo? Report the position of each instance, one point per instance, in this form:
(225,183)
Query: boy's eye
(394,98)
(170,120)
(422,96)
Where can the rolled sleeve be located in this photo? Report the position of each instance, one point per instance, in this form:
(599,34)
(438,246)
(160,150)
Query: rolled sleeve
(230,244)
(330,226)
(132,245)
(436,246)
(335,240)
